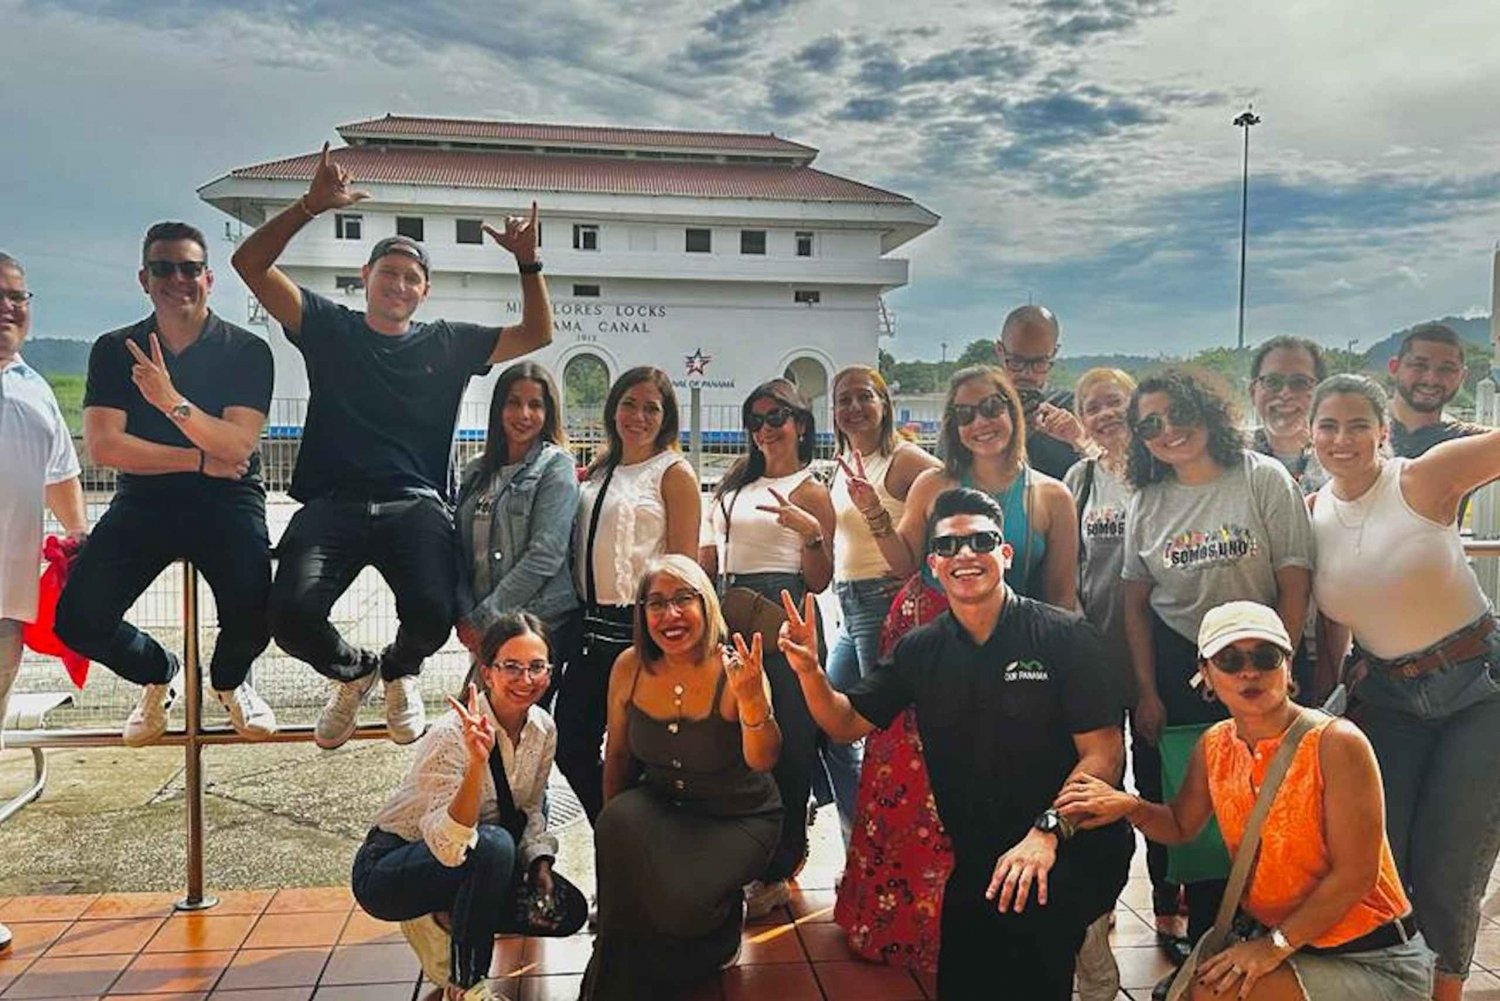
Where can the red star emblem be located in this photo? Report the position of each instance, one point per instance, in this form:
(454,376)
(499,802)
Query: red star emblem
(697,362)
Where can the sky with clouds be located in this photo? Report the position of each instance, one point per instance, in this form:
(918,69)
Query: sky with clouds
(1080,152)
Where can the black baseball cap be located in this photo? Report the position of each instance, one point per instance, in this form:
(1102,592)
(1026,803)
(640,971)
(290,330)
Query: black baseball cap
(402,245)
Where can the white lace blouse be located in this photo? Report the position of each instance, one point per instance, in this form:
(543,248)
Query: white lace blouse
(418,809)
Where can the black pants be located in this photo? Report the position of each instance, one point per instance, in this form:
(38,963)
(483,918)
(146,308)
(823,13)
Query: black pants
(583,701)
(410,540)
(222,530)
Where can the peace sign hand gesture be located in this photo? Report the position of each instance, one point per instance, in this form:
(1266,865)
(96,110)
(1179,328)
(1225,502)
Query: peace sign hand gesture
(746,669)
(479,732)
(150,376)
(789,515)
(861,490)
(331,187)
(798,638)
(520,236)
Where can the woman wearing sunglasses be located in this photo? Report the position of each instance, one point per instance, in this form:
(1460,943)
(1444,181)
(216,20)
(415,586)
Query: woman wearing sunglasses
(1211,521)
(1392,571)
(464,834)
(890,898)
(1323,917)
(770,527)
(690,814)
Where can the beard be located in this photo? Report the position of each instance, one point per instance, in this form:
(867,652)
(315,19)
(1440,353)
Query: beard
(1424,406)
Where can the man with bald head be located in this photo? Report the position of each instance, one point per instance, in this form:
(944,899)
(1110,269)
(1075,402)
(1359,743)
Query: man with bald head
(1027,349)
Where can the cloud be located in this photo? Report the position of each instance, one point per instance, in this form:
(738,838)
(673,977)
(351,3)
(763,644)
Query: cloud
(822,55)
(1081,22)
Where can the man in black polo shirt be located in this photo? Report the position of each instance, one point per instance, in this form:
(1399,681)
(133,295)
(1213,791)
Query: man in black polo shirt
(176,404)
(1012,697)
(373,473)
(1027,348)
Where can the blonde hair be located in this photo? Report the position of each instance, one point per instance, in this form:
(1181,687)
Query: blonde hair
(1095,377)
(690,573)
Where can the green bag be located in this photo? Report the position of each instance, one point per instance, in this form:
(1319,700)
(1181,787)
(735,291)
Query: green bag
(1205,857)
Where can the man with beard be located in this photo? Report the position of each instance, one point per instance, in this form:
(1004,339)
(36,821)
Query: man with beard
(1012,700)
(1428,371)
(1283,374)
(1027,349)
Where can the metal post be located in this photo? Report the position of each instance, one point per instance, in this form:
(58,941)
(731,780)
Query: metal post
(695,430)
(1244,121)
(192,680)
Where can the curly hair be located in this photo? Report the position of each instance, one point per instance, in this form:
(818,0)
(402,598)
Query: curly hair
(1197,391)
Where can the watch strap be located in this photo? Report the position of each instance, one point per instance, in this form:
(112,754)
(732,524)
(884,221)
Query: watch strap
(530,268)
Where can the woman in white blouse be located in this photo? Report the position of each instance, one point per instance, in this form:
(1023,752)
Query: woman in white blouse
(451,850)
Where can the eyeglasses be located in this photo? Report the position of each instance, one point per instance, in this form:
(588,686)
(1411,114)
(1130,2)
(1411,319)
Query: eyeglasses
(187,269)
(1039,364)
(1181,415)
(1275,382)
(514,669)
(978,542)
(16,297)
(658,604)
(774,418)
(989,408)
(1264,657)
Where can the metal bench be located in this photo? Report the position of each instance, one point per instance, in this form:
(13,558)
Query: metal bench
(29,712)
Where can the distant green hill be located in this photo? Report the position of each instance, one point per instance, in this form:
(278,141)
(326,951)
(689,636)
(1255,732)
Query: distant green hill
(57,355)
(1475,330)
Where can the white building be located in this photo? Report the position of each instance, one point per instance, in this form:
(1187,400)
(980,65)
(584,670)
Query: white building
(723,258)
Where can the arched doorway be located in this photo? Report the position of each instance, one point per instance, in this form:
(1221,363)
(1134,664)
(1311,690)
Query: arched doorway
(812,381)
(585,379)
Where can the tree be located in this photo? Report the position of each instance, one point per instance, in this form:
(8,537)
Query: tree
(980,352)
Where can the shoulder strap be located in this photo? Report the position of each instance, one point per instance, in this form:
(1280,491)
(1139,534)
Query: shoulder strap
(588,547)
(1083,498)
(511,818)
(1244,858)
(728,519)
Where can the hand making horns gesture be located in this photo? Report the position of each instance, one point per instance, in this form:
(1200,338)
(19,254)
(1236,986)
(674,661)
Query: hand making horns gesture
(861,490)
(519,237)
(479,731)
(331,187)
(798,638)
(746,670)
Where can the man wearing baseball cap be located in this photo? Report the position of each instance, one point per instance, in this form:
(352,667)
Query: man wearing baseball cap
(373,472)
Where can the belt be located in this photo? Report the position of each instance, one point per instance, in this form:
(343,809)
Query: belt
(1469,642)
(1389,934)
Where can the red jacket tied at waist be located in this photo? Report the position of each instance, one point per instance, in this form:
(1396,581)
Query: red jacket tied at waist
(59,553)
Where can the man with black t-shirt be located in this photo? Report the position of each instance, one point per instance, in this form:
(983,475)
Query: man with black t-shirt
(1027,349)
(176,404)
(374,470)
(1012,698)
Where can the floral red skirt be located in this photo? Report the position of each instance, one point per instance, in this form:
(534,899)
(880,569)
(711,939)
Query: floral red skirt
(891,898)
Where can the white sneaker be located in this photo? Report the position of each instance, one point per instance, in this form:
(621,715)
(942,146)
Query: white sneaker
(481,991)
(148,720)
(432,946)
(340,714)
(763,898)
(405,715)
(248,712)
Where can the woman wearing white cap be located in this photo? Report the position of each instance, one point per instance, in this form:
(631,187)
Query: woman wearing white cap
(1323,916)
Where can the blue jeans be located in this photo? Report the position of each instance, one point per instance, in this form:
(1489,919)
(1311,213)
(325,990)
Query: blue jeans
(856,649)
(1437,738)
(398,880)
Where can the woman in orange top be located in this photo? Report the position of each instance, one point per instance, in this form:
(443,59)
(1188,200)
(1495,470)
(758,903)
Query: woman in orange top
(1332,921)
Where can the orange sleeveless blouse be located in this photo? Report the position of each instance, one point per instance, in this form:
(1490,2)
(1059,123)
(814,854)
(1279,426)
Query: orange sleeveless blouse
(1293,849)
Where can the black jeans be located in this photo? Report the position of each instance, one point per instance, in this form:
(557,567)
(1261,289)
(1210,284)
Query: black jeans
(604,632)
(410,540)
(222,530)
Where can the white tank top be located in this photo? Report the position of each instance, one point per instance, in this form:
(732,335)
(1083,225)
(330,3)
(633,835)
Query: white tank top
(632,527)
(1398,580)
(856,554)
(756,543)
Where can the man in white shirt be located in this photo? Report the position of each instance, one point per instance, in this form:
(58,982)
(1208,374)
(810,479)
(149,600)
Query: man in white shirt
(40,468)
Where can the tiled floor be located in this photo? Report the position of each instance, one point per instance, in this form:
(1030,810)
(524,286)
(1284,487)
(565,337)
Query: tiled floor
(315,945)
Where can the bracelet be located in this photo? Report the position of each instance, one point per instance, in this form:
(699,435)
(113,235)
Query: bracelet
(302,204)
(757,726)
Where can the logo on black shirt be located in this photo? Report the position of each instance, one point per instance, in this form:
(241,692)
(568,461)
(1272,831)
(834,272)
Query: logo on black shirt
(1026,670)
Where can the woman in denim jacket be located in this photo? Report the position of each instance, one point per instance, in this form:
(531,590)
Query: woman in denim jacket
(516,506)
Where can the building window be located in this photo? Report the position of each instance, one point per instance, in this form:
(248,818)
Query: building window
(700,241)
(470,231)
(348,226)
(348,283)
(804,244)
(807,296)
(409,226)
(752,241)
(585,291)
(585,236)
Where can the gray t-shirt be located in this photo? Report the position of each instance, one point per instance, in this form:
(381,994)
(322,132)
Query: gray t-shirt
(1219,541)
(1101,556)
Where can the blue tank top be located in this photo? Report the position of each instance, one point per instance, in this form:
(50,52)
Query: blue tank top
(1029,545)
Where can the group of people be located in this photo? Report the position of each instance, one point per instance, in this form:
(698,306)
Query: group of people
(1072,567)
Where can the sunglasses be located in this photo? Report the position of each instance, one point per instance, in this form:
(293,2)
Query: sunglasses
(1264,657)
(978,542)
(1182,415)
(989,408)
(187,269)
(514,669)
(773,418)
(16,297)
(1276,382)
(658,604)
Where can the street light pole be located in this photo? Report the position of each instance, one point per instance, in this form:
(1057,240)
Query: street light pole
(1244,121)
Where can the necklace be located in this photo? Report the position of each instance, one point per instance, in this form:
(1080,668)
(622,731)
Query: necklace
(1362,505)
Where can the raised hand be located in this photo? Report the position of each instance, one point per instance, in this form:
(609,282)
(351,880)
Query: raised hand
(861,490)
(746,669)
(519,237)
(1059,423)
(332,187)
(789,515)
(798,638)
(151,377)
(479,732)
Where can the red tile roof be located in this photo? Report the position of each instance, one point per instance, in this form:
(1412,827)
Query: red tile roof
(536,172)
(598,135)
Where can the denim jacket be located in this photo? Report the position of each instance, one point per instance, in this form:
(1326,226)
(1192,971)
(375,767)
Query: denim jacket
(531,527)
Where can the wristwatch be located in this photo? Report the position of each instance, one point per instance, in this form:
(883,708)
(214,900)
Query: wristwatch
(1052,822)
(180,411)
(1278,939)
(530,267)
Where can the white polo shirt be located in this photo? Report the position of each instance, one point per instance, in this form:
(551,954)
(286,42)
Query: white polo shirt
(36,451)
